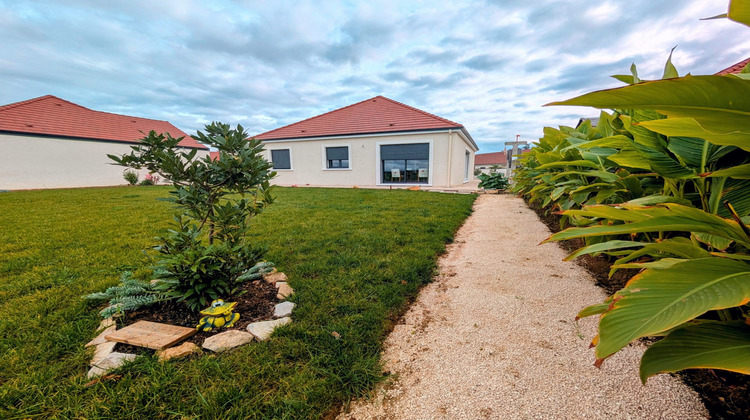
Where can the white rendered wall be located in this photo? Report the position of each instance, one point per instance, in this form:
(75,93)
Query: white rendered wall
(307,158)
(31,162)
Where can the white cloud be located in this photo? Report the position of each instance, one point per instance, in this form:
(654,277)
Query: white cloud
(490,66)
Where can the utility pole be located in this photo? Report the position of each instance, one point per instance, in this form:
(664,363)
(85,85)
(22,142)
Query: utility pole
(511,153)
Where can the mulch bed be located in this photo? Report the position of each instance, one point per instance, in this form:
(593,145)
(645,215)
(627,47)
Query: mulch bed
(255,302)
(725,394)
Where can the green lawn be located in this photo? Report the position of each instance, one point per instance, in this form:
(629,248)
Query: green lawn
(354,257)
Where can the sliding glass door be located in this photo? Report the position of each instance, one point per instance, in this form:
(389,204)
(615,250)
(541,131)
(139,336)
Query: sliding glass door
(405,163)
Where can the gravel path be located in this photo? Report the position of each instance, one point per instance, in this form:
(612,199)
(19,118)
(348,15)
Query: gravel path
(494,337)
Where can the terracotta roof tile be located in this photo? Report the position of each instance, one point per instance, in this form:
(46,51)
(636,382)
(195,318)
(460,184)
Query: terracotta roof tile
(50,115)
(375,115)
(496,158)
(735,68)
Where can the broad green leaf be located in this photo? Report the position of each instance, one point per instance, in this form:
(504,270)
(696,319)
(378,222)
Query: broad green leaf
(742,257)
(689,127)
(735,192)
(705,344)
(661,298)
(714,241)
(657,199)
(661,218)
(642,135)
(618,142)
(664,164)
(630,159)
(739,172)
(739,11)
(674,247)
(563,164)
(596,309)
(602,247)
(720,104)
(693,151)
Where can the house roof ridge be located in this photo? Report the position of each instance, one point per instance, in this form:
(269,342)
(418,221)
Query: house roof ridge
(313,117)
(45,97)
(50,115)
(25,102)
(421,111)
(383,115)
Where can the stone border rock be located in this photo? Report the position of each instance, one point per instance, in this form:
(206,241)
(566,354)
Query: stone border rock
(106,359)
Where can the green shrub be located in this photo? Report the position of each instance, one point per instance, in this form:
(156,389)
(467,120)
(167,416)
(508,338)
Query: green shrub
(203,256)
(131,177)
(493,181)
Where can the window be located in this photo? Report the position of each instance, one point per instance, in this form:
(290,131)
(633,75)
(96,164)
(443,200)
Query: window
(281,159)
(337,157)
(405,163)
(468,159)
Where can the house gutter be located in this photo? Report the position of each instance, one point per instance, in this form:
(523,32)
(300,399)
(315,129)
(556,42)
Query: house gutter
(450,158)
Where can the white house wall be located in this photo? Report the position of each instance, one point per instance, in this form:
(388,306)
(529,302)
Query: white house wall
(458,158)
(307,160)
(33,162)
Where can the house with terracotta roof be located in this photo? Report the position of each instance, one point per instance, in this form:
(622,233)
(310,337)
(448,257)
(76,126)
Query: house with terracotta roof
(378,142)
(48,142)
(488,162)
(735,68)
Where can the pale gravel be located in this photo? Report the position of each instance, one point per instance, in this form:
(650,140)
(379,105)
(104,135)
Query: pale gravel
(494,337)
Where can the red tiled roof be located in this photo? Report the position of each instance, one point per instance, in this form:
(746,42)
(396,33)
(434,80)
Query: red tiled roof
(52,116)
(375,115)
(496,158)
(734,69)
(215,155)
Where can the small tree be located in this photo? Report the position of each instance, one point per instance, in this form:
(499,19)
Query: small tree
(205,253)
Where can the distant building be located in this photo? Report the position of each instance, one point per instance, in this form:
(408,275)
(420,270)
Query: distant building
(376,142)
(488,162)
(735,68)
(48,142)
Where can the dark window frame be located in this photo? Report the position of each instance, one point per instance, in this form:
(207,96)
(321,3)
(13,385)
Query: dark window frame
(288,159)
(335,159)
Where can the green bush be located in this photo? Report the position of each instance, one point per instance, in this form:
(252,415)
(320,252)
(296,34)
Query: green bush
(131,177)
(203,256)
(493,181)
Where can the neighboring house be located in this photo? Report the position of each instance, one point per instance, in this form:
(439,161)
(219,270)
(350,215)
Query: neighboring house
(488,162)
(376,142)
(735,68)
(48,142)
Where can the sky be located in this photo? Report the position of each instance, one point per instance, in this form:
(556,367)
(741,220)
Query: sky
(489,65)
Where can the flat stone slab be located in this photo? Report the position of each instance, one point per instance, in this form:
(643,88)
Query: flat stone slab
(263,329)
(283,309)
(102,351)
(112,361)
(275,277)
(101,338)
(152,335)
(227,340)
(184,349)
(284,290)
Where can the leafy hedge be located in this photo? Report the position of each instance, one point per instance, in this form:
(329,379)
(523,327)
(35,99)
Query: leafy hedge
(661,184)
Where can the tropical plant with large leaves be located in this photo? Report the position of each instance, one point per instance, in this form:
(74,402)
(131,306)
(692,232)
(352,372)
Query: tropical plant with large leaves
(690,239)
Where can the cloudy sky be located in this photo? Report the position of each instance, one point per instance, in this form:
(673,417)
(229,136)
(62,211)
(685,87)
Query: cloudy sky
(489,65)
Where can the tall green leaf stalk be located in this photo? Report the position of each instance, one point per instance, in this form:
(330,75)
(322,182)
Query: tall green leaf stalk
(206,250)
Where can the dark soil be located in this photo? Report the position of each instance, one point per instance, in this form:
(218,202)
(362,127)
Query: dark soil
(255,302)
(725,394)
